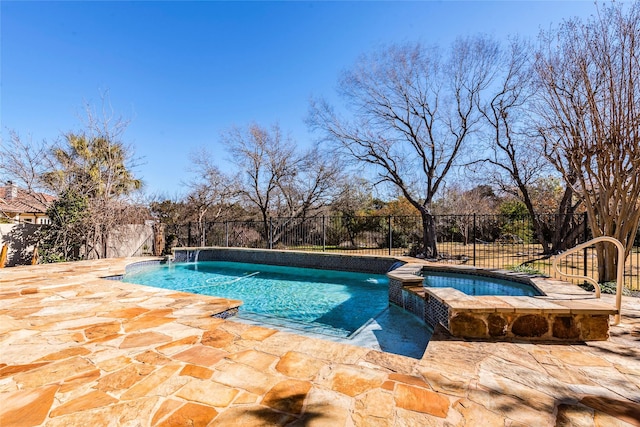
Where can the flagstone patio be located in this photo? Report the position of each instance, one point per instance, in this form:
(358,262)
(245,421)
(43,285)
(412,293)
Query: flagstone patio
(79,350)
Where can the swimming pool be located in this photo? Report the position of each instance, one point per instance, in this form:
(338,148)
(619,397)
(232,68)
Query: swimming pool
(477,285)
(332,302)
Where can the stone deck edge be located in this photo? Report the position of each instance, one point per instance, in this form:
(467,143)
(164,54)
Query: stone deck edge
(578,301)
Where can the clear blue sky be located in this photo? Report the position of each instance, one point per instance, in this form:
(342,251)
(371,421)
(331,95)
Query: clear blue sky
(183,72)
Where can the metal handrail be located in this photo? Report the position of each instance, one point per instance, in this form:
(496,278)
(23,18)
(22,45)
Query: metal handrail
(619,273)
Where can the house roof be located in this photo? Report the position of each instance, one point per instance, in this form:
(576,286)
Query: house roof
(24,202)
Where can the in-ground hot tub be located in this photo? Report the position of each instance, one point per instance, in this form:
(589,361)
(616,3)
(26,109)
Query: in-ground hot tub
(548,310)
(471,284)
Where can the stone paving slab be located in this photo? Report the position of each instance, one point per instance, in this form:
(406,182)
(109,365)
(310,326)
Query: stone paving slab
(76,350)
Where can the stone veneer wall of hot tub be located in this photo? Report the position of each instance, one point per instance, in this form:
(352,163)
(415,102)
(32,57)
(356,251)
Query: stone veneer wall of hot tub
(325,261)
(564,313)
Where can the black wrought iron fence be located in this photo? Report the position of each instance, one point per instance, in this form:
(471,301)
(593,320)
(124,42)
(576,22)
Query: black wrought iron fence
(489,241)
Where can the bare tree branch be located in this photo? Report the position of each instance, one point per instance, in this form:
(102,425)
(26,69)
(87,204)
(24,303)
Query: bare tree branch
(589,75)
(413,111)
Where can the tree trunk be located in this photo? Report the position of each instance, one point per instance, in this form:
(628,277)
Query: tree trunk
(158,238)
(429,234)
(201,224)
(607,259)
(105,244)
(535,220)
(265,227)
(566,229)
(465,228)
(566,236)
(351,230)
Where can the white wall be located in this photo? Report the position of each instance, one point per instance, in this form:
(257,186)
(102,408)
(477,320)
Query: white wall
(130,240)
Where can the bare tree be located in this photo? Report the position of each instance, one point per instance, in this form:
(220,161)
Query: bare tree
(275,178)
(23,162)
(311,186)
(210,189)
(354,196)
(264,159)
(589,104)
(516,161)
(413,111)
(461,206)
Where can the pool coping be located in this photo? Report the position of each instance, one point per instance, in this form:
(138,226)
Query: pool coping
(378,264)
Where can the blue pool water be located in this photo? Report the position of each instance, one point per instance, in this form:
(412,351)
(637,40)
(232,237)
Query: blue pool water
(337,303)
(477,285)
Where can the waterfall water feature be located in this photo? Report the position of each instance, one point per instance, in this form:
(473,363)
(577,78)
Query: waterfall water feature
(195,259)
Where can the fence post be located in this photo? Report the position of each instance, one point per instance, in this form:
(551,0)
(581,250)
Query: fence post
(584,239)
(390,236)
(270,233)
(474,239)
(226,233)
(324,234)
